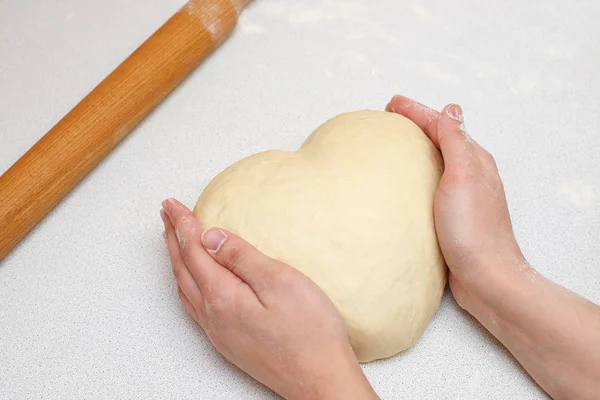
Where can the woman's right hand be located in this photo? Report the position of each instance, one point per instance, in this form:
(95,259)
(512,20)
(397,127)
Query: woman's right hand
(551,331)
(471,215)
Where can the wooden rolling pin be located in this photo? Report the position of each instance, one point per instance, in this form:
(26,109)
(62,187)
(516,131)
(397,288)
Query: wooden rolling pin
(40,179)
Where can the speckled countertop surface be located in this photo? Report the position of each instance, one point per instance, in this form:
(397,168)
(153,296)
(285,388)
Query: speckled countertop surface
(88,307)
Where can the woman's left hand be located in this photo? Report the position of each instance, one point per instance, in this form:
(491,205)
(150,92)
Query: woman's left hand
(264,316)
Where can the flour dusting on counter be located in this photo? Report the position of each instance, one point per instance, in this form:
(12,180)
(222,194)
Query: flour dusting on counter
(577,193)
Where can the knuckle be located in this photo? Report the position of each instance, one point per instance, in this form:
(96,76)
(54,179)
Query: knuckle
(185,253)
(235,255)
(188,306)
(490,158)
(455,128)
(178,269)
(185,231)
(485,156)
(217,303)
(494,183)
(216,306)
(462,174)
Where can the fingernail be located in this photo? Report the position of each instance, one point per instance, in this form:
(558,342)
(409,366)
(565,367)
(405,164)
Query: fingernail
(213,239)
(163,215)
(164,235)
(455,112)
(167,206)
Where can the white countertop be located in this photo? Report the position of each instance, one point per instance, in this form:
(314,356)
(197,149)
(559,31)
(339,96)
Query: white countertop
(88,305)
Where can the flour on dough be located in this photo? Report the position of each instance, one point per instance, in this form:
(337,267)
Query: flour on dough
(353,210)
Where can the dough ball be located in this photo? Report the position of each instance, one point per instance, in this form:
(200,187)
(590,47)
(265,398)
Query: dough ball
(353,210)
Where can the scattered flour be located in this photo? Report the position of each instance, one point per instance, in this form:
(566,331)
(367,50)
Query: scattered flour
(578,194)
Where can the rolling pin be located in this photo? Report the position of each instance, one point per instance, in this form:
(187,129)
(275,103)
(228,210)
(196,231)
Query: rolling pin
(42,177)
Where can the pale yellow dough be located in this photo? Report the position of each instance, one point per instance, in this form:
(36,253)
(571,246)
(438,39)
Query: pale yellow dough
(353,210)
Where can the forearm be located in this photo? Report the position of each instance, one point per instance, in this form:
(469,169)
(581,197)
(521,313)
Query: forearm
(552,332)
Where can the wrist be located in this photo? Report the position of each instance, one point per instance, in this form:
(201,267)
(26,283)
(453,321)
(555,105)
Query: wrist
(341,378)
(351,385)
(491,295)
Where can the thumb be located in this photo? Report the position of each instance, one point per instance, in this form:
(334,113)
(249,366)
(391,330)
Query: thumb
(456,146)
(241,258)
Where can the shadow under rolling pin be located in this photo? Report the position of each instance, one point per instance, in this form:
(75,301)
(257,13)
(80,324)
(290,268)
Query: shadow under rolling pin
(40,179)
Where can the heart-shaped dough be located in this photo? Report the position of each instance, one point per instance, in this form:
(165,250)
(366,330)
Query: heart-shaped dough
(353,210)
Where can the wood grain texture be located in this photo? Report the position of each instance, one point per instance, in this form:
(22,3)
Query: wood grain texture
(40,179)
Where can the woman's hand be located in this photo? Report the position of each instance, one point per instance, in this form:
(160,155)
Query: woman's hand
(471,215)
(552,332)
(265,317)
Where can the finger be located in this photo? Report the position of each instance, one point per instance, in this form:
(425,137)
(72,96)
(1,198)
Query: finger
(486,158)
(241,258)
(189,308)
(186,282)
(424,117)
(206,272)
(457,147)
